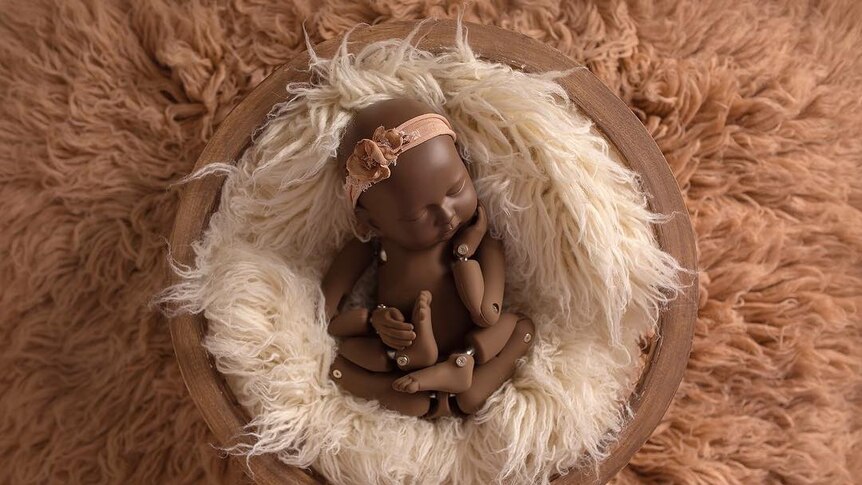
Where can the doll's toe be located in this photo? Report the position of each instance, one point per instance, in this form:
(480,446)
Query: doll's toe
(422,308)
(421,314)
(406,384)
(413,386)
(400,384)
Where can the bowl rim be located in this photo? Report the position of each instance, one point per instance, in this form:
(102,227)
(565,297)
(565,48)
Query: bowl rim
(668,354)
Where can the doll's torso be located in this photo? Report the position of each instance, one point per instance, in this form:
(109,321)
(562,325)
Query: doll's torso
(405,273)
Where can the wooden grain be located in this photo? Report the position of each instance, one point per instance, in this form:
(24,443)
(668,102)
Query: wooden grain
(668,354)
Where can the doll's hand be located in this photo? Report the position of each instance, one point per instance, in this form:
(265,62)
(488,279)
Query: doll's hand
(467,240)
(393,330)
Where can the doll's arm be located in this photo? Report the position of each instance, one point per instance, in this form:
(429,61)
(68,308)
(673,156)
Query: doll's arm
(481,281)
(345,270)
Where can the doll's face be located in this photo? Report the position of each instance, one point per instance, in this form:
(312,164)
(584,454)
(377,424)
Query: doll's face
(428,197)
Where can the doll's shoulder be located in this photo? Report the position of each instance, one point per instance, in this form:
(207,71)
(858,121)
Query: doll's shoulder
(356,250)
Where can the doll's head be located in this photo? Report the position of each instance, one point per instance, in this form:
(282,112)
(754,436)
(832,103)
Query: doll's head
(417,197)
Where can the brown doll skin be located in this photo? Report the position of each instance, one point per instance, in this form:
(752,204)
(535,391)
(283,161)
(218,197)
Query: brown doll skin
(441,268)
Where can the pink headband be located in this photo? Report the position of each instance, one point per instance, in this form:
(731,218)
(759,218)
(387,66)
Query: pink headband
(369,163)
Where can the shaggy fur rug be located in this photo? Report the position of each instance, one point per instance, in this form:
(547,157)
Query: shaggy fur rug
(756,107)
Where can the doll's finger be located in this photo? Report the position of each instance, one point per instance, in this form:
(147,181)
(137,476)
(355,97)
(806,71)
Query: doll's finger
(480,224)
(387,313)
(481,216)
(394,314)
(381,319)
(400,334)
(400,344)
(396,343)
(387,325)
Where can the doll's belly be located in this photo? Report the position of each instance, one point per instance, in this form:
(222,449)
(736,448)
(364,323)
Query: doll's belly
(449,317)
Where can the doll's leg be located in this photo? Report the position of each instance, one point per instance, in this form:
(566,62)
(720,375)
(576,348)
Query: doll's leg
(488,377)
(489,341)
(350,323)
(370,353)
(423,351)
(454,375)
(441,405)
(378,386)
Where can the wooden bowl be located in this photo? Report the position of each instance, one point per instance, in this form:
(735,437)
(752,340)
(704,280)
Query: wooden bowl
(667,357)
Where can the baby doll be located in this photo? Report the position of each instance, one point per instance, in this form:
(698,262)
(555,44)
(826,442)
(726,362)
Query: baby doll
(436,264)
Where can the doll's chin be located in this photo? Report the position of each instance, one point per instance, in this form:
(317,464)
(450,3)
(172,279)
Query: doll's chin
(417,246)
(449,234)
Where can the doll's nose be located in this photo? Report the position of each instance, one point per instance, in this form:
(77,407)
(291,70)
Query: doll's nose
(446,214)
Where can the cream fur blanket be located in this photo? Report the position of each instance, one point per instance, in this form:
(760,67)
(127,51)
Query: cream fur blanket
(582,262)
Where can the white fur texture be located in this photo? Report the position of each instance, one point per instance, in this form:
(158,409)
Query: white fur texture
(582,262)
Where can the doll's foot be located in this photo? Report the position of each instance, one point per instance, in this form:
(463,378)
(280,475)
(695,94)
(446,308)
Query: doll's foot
(377,386)
(423,352)
(491,375)
(454,375)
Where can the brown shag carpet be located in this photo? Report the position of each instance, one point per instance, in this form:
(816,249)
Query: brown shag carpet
(757,106)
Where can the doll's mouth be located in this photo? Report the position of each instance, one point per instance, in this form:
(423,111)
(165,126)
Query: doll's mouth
(449,230)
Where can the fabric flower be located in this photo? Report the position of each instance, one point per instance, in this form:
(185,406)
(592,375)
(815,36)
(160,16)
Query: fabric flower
(367,164)
(370,160)
(390,142)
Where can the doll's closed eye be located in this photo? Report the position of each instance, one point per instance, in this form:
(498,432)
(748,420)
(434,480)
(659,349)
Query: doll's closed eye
(416,217)
(455,190)
(458,187)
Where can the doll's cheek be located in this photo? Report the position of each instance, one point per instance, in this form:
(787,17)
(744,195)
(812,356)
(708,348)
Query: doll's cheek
(421,235)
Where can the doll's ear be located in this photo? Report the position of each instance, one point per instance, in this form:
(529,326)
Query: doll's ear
(364,224)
